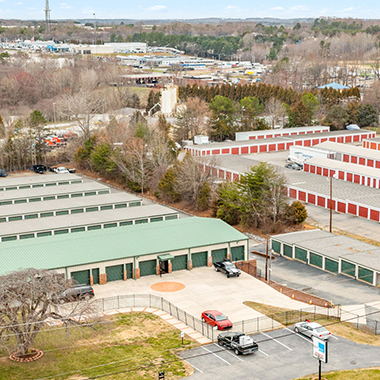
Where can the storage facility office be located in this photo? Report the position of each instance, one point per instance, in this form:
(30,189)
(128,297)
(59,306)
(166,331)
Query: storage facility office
(122,253)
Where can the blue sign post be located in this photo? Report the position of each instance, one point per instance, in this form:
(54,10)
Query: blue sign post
(320,352)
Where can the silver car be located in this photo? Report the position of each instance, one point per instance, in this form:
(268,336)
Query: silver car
(311,329)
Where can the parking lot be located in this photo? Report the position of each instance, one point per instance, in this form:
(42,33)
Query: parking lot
(282,355)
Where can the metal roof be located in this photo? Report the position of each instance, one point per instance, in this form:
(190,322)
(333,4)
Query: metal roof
(302,180)
(66,204)
(50,190)
(349,149)
(281,130)
(35,179)
(83,219)
(341,165)
(335,86)
(334,246)
(60,251)
(275,140)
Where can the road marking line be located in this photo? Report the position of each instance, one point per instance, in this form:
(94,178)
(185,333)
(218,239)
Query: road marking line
(332,336)
(193,366)
(263,352)
(216,355)
(282,344)
(301,336)
(228,352)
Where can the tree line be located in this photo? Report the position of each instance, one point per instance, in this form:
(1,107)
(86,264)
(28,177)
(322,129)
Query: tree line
(264,92)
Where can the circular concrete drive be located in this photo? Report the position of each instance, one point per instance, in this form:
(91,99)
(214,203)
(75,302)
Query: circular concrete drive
(169,286)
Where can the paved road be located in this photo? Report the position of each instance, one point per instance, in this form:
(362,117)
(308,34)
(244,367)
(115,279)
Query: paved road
(283,355)
(337,288)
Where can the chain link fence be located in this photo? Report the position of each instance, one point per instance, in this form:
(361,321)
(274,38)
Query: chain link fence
(249,326)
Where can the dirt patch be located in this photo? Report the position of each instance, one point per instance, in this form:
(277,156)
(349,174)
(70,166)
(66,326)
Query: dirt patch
(169,286)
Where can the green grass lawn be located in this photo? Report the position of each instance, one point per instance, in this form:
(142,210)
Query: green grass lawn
(343,329)
(357,374)
(133,346)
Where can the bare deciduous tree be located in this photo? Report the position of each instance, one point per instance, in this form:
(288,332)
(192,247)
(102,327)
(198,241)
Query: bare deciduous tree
(26,303)
(276,111)
(81,107)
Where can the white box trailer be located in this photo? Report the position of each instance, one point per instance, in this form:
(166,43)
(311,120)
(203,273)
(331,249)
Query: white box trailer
(300,154)
(200,139)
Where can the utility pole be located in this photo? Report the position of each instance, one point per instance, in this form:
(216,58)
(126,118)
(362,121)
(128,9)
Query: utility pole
(94,28)
(331,203)
(266,259)
(47,15)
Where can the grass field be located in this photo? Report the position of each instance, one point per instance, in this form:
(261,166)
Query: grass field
(132,346)
(357,374)
(343,329)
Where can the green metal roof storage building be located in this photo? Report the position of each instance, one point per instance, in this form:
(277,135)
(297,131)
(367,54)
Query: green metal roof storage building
(29,182)
(333,253)
(79,221)
(33,210)
(49,193)
(128,252)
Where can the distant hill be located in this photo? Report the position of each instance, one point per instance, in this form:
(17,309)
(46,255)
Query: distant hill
(210,20)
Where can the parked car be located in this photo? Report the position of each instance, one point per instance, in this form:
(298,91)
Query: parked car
(75,293)
(293,166)
(227,268)
(311,329)
(41,169)
(72,170)
(240,343)
(216,318)
(61,170)
(3,173)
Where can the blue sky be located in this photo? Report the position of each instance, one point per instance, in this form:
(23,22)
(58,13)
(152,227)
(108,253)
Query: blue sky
(163,9)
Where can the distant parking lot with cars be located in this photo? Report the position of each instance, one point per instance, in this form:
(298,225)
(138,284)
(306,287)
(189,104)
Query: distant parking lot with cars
(282,355)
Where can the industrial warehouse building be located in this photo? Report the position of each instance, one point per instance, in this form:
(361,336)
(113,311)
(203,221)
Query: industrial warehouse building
(332,253)
(275,144)
(96,257)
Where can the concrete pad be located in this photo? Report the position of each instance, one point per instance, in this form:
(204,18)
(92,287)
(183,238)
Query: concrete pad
(205,289)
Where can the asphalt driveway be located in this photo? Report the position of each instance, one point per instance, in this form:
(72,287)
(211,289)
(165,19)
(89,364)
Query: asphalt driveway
(283,355)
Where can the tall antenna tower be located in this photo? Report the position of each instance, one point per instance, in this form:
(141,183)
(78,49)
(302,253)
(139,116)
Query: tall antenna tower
(47,15)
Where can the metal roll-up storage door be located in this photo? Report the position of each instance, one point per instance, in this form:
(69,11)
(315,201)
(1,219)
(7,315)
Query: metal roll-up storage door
(316,260)
(348,268)
(147,267)
(301,254)
(81,277)
(115,273)
(288,251)
(179,262)
(331,265)
(219,255)
(237,253)
(199,259)
(365,275)
(129,268)
(95,275)
(276,246)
